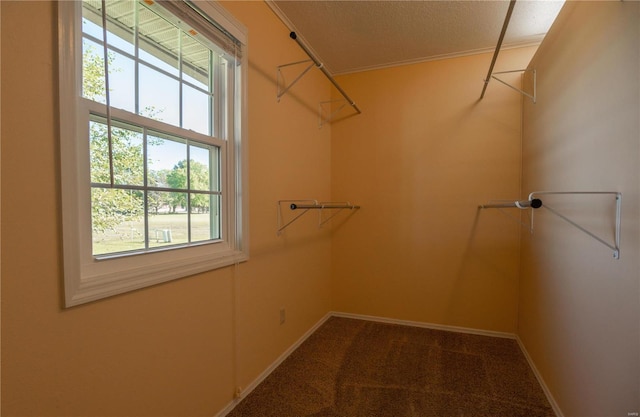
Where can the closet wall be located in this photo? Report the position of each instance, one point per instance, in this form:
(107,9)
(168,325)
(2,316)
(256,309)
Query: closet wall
(179,348)
(420,159)
(579,307)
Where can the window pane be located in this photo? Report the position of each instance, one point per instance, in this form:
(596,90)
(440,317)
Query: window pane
(128,160)
(119,35)
(169,225)
(93,85)
(128,168)
(159,202)
(195,110)
(159,96)
(117,220)
(121,76)
(153,61)
(158,41)
(157,178)
(205,218)
(167,160)
(122,84)
(201,173)
(195,62)
(99,153)
(92,18)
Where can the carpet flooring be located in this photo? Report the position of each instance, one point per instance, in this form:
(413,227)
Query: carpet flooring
(358,368)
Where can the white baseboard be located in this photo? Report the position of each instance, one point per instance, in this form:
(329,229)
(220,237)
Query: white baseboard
(457,329)
(547,392)
(426,325)
(272,367)
(545,389)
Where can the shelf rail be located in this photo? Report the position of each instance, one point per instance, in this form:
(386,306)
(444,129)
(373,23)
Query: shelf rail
(505,25)
(306,205)
(490,73)
(522,204)
(320,65)
(534,203)
(282,89)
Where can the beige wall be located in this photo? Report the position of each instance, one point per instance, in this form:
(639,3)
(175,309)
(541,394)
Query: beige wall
(579,308)
(175,349)
(420,159)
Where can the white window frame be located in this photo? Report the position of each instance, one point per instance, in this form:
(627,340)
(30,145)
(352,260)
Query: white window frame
(88,277)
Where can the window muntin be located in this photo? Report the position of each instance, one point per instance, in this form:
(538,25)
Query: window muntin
(212,70)
(157,71)
(170,197)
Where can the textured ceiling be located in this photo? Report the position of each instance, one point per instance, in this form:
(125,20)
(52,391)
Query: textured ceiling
(351,36)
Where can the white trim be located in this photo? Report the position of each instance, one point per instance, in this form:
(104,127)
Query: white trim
(547,391)
(524,44)
(88,278)
(533,40)
(292,28)
(246,391)
(424,325)
(232,404)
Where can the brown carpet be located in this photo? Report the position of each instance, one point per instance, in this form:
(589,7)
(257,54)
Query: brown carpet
(367,369)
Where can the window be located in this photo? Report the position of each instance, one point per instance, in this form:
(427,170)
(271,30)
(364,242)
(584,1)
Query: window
(152,143)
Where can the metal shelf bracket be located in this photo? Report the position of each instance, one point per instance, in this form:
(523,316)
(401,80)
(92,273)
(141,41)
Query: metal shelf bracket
(535,203)
(322,111)
(615,247)
(532,96)
(313,61)
(305,206)
(280,82)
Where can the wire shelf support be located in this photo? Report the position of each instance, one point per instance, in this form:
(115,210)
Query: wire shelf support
(615,247)
(280,82)
(534,203)
(532,96)
(282,89)
(330,116)
(490,73)
(305,206)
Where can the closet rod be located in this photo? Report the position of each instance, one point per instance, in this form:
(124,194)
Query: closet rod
(294,206)
(324,71)
(522,204)
(512,3)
